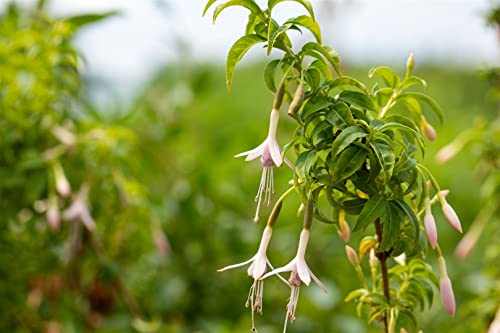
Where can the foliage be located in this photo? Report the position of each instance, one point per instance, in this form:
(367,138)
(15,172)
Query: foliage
(356,147)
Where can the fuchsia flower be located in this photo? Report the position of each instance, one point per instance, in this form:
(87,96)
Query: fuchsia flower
(53,215)
(79,209)
(270,154)
(300,273)
(256,270)
(62,184)
(430,224)
(450,214)
(446,289)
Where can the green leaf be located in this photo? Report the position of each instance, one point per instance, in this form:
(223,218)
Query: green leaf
(387,74)
(237,51)
(323,68)
(414,134)
(425,99)
(207,7)
(346,81)
(358,99)
(340,116)
(253,19)
(308,23)
(412,80)
(346,137)
(410,214)
(269,74)
(314,49)
(354,206)
(307,5)
(304,162)
(391,220)
(347,163)
(314,105)
(248,4)
(385,157)
(374,209)
(81,20)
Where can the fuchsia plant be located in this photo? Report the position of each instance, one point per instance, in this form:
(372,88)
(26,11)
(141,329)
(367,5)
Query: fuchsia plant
(358,148)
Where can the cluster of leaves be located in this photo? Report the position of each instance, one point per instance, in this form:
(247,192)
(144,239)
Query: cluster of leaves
(356,147)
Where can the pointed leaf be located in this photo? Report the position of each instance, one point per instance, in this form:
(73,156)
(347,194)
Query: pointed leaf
(314,49)
(340,116)
(391,220)
(358,99)
(387,74)
(269,74)
(248,4)
(347,163)
(374,208)
(307,5)
(80,20)
(237,51)
(385,157)
(425,99)
(346,137)
(208,5)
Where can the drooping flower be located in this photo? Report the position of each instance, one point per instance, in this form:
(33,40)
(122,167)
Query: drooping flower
(270,154)
(79,209)
(256,270)
(53,215)
(446,289)
(300,273)
(62,184)
(430,224)
(450,214)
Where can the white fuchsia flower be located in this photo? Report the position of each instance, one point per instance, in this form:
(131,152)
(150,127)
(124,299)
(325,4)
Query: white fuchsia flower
(53,215)
(270,154)
(256,270)
(79,209)
(300,273)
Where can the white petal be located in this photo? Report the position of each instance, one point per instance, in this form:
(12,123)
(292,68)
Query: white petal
(318,282)
(286,268)
(254,153)
(259,267)
(303,272)
(236,265)
(275,151)
(279,275)
(87,220)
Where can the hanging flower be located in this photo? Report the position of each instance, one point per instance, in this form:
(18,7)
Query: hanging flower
(430,224)
(79,209)
(300,273)
(450,214)
(53,215)
(270,154)
(62,184)
(446,289)
(256,270)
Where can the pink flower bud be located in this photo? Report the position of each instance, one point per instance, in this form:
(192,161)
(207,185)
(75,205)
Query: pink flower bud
(53,216)
(430,229)
(429,131)
(465,246)
(62,184)
(452,217)
(447,153)
(345,231)
(447,296)
(352,256)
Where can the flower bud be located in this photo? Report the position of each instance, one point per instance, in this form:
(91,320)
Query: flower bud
(429,131)
(430,224)
(465,246)
(345,231)
(373,259)
(401,259)
(161,241)
(451,216)
(410,64)
(447,153)
(52,214)
(352,256)
(447,296)
(297,101)
(278,98)
(62,184)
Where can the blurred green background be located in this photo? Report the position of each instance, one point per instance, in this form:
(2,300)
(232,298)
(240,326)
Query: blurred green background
(163,165)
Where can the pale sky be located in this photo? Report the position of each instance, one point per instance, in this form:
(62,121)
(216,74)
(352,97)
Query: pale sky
(128,48)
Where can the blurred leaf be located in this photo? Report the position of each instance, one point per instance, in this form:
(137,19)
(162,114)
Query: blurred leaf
(237,51)
(79,21)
